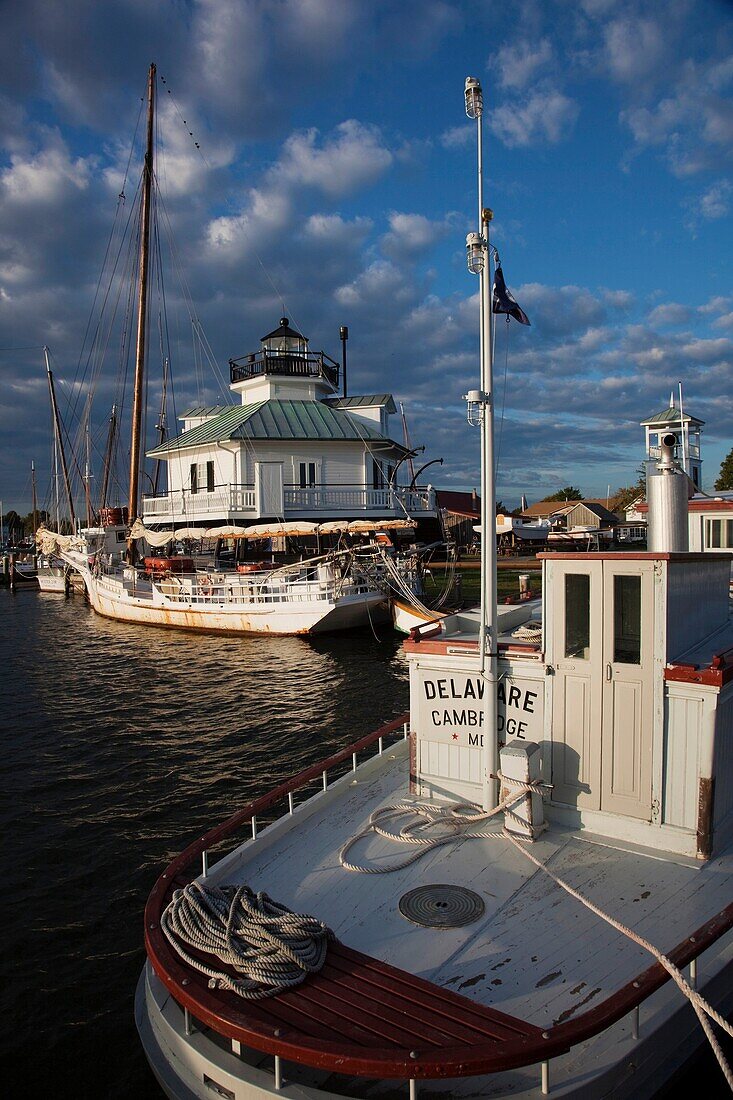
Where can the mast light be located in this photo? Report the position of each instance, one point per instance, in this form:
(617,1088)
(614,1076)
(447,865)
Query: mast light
(475,245)
(474,98)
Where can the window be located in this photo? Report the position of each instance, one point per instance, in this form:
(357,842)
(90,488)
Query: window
(202,474)
(627,620)
(719,534)
(378,481)
(307,475)
(577,615)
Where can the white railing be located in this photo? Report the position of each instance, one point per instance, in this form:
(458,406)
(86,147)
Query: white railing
(228,501)
(184,504)
(357,499)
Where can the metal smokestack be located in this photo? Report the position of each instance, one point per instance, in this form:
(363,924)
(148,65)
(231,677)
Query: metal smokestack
(666,493)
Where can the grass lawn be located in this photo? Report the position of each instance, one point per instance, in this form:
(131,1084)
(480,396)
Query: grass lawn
(470,592)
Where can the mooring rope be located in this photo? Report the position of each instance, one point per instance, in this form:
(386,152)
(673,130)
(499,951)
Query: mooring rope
(703,1009)
(272,948)
(457,818)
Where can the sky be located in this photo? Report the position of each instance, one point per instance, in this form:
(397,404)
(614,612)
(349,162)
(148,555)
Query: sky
(315,159)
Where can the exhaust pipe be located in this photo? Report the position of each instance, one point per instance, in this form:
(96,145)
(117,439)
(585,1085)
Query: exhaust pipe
(667,496)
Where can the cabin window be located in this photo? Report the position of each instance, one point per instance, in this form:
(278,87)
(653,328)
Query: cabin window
(307,475)
(627,620)
(577,615)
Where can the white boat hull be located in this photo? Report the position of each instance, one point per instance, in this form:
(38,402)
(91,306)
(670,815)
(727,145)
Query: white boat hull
(297,613)
(51,579)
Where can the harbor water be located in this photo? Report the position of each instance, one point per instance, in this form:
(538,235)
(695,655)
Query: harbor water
(119,745)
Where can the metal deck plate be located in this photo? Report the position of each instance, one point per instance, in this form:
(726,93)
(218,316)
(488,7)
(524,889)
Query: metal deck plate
(441,906)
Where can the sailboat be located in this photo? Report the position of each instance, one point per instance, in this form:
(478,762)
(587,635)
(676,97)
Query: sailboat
(307,591)
(523,887)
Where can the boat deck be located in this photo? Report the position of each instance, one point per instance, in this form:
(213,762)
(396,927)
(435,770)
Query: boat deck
(523,955)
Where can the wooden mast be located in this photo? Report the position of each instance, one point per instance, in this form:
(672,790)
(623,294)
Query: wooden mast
(142,302)
(59,439)
(111,434)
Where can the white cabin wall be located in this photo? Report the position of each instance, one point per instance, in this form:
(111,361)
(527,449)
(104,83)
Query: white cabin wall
(695,522)
(697,603)
(723,768)
(341,463)
(686,706)
(179,467)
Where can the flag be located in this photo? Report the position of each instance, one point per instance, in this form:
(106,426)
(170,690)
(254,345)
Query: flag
(503,301)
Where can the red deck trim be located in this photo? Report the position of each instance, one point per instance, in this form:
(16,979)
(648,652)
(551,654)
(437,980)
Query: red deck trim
(636,555)
(717,674)
(389,1023)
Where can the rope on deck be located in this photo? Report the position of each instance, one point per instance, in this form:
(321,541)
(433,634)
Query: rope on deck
(272,948)
(703,1009)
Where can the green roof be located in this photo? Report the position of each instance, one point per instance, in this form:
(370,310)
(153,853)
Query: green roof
(670,416)
(278,420)
(365,401)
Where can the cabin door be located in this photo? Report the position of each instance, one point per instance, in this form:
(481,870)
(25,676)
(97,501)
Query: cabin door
(269,489)
(577,646)
(628,650)
(602,644)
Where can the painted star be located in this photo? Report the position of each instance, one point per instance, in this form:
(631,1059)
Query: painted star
(455,736)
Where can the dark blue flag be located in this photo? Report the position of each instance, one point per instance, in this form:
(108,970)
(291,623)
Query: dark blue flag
(503,301)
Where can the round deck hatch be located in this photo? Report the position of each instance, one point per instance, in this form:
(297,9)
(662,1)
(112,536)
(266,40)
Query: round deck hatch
(441,906)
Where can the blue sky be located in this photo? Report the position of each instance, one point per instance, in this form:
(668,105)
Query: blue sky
(334,148)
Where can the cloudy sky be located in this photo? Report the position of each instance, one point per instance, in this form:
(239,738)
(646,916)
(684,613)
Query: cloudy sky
(326,167)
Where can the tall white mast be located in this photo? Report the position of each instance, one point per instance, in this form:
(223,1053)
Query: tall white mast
(685,442)
(479,262)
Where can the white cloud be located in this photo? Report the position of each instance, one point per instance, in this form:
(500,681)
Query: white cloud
(354,156)
(694,126)
(715,202)
(546,116)
(671,313)
(519,62)
(458,136)
(46,177)
(634,48)
(708,351)
(411,234)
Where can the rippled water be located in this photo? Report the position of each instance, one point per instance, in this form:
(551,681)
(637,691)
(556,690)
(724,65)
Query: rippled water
(118,745)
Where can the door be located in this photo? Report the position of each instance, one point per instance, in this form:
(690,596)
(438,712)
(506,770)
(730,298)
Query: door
(626,765)
(269,488)
(577,649)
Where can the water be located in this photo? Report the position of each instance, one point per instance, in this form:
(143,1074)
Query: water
(118,745)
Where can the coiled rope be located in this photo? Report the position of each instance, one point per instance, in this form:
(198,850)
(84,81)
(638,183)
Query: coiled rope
(458,818)
(529,632)
(272,948)
(429,826)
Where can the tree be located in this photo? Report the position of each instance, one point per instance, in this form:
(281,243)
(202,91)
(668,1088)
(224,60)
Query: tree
(725,477)
(623,497)
(568,493)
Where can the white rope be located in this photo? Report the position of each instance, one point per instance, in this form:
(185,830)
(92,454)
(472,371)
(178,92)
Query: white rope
(702,1008)
(458,818)
(272,948)
(435,825)
(530,631)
